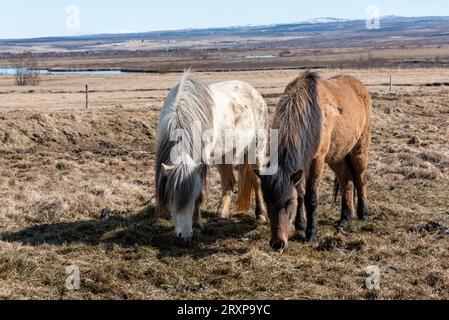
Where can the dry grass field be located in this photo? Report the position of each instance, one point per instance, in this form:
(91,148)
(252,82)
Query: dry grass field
(284,56)
(76,188)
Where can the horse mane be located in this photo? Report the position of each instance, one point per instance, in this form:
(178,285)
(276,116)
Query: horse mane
(188,103)
(298,119)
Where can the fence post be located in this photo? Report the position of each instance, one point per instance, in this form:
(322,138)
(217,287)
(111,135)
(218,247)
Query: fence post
(87,96)
(391,83)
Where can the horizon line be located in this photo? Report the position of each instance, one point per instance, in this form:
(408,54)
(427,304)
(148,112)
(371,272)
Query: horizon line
(309,21)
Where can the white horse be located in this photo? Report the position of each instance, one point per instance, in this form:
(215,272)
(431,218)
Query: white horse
(209,119)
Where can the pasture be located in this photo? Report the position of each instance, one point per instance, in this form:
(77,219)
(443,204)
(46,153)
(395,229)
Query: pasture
(77,188)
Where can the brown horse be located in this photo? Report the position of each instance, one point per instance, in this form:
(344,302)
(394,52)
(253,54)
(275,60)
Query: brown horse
(318,121)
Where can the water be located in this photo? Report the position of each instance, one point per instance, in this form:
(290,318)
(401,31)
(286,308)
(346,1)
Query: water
(88,72)
(251,57)
(6,71)
(12,71)
(263,56)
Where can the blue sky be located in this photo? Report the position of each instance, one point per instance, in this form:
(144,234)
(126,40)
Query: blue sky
(25,18)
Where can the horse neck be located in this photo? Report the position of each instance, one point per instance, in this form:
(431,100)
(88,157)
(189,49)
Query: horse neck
(299,120)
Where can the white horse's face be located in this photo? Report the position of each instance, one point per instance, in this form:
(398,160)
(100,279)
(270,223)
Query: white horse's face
(183,218)
(184,222)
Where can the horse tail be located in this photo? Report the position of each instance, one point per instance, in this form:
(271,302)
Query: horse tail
(246,186)
(353,174)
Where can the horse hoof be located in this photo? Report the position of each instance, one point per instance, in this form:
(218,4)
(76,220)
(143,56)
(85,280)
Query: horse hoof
(262,219)
(223,216)
(278,245)
(343,223)
(311,239)
(224,212)
(341,230)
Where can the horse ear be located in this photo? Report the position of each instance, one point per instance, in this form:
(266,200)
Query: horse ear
(297,177)
(166,169)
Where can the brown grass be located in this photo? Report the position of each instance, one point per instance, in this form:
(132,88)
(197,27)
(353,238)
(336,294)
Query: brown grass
(77,189)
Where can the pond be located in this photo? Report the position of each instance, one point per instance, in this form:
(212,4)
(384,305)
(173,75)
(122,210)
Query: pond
(263,56)
(12,71)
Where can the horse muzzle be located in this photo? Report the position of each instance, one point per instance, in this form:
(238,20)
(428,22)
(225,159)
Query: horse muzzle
(185,237)
(279,245)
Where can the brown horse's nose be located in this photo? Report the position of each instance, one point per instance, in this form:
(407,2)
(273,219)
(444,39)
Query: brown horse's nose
(279,245)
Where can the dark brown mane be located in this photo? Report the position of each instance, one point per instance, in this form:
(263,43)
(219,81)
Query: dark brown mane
(299,121)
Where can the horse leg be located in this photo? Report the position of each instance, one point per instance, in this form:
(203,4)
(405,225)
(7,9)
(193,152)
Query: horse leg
(301,219)
(227,185)
(345,178)
(359,160)
(312,197)
(197,219)
(261,209)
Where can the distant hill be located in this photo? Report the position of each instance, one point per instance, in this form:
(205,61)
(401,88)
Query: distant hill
(321,32)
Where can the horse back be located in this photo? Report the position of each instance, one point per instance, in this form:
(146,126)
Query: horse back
(346,105)
(349,91)
(238,105)
(239,112)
